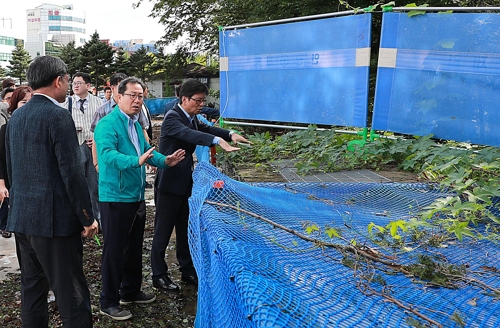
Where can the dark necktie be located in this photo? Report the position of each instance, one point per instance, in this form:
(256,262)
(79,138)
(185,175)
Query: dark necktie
(82,101)
(192,124)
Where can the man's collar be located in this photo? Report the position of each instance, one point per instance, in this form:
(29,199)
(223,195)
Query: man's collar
(47,96)
(133,118)
(86,97)
(185,113)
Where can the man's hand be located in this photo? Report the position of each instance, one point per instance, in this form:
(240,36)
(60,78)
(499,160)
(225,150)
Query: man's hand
(147,155)
(150,168)
(227,147)
(4,192)
(235,137)
(90,142)
(91,230)
(175,158)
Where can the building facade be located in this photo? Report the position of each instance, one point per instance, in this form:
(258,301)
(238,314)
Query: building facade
(133,45)
(8,41)
(51,27)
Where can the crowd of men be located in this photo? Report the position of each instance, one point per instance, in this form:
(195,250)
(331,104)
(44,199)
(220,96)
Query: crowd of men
(76,163)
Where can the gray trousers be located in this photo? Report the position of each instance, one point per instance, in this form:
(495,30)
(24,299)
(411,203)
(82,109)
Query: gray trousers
(91,176)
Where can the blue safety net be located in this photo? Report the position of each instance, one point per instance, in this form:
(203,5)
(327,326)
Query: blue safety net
(255,271)
(440,74)
(304,72)
(156,106)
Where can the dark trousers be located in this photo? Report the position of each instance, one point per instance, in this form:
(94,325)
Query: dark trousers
(123,233)
(91,176)
(4,214)
(171,211)
(54,263)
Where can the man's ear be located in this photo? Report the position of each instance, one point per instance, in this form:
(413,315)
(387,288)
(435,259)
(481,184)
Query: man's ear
(57,83)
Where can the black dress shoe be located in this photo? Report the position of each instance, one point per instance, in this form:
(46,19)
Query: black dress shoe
(190,279)
(165,285)
(117,313)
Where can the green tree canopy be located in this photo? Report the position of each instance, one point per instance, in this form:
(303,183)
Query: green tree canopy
(96,58)
(3,72)
(140,62)
(19,63)
(69,55)
(121,63)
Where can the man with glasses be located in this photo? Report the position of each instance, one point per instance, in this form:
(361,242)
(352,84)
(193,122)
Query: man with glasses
(108,107)
(122,152)
(50,208)
(181,129)
(83,108)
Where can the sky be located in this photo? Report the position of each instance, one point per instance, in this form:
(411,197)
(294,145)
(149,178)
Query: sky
(113,19)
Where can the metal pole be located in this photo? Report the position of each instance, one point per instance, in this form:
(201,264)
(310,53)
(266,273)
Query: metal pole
(445,8)
(295,19)
(279,126)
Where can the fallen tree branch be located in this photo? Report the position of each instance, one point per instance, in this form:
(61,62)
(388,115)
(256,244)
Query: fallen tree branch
(365,287)
(346,248)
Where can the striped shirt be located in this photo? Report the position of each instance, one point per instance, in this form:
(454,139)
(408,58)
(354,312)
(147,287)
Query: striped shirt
(107,107)
(83,119)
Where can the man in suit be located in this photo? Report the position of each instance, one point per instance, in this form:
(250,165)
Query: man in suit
(122,151)
(50,207)
(181,129)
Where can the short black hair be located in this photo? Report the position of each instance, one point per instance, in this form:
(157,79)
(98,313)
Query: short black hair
(43,70)
(6,91)
(117,78)
(107,88)
(178,90)
(129,80)
(8,82)
(192,87)
(84,76)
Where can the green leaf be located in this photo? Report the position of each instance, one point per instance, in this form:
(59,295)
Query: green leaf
(311,228)
(460,229)
(412,13)
(331,232)
(447,43)
(373,225)
(414,223)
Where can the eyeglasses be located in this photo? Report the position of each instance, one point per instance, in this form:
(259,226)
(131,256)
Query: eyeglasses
(134,97)
(199,101)
(77,84)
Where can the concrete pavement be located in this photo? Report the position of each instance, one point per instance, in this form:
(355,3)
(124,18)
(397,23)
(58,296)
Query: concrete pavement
(8,257)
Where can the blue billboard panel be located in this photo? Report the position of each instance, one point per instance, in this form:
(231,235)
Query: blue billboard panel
(440,74)
(304,72)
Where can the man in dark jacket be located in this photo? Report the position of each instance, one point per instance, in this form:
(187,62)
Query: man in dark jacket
(50,207)
(181,129)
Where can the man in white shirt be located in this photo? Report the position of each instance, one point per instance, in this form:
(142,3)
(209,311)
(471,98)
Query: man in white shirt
(83,108)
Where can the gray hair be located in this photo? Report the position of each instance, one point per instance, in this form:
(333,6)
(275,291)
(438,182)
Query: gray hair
(43,70)
(129,80)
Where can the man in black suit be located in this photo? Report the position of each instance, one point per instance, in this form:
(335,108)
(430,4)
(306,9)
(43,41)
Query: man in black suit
(50,207)
(181,129)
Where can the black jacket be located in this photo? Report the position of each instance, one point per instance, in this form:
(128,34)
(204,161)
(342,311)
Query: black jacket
(49,194)
(177,134)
